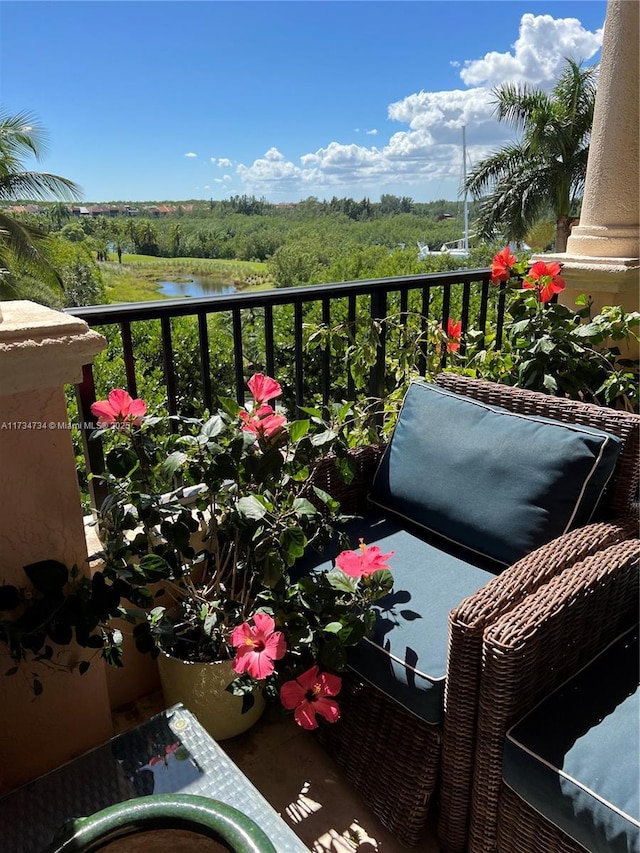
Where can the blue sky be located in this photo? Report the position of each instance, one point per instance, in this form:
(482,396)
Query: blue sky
(179,100)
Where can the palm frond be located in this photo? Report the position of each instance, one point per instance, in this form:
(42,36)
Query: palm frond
(24,247)
(21,135)
(518,105)
(37,185)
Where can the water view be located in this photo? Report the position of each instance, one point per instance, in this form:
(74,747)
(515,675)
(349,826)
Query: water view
(197,285)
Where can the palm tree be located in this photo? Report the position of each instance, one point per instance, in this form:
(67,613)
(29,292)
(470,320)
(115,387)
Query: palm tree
(59,213)
(545,171)
(23,245)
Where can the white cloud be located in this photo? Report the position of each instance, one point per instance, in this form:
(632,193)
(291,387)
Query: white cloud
(224,162)
(429,148)
(539,51)
(190,154)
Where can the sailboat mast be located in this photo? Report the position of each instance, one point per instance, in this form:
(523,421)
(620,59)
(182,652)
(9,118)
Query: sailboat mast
(464,184)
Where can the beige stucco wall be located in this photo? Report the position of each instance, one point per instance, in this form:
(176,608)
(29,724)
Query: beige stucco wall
(609,217)
(41,518)
(139,674)
(603,255)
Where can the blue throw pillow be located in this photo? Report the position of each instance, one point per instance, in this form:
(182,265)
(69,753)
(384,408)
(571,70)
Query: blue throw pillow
(498,483)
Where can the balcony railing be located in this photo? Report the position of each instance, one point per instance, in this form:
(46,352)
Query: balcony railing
(462,294)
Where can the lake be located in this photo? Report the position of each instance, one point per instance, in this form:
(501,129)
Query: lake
(197,285)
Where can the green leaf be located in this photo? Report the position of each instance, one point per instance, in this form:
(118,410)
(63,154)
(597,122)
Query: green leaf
(587,330)
(301,506)
(352,632)
(313,413)
(544,345)
(251,507)
(229,405)
(210,622)
(273,568)
(47,576)
(214,426)
(298,430)
(293,542)
(121,462)
(341,581)
(333,627)
(322,438)
(325,497)
(380,582)
(155,568)
(550,384)
(173,462)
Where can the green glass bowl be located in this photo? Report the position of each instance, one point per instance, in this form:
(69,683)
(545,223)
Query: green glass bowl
(209,818)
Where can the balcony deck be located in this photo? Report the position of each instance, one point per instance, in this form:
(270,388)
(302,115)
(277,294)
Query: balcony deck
(299,779)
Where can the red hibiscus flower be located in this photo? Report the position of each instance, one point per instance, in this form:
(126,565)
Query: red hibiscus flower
(454,333)
(119,408)
(257,646)
(544,278)
(502,266)
(310,694)
(364,561)
(263,388)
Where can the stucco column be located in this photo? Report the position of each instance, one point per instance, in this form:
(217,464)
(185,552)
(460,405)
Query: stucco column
(40,351)
(602,257)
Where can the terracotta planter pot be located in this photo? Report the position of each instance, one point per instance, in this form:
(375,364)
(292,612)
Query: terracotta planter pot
(201,689)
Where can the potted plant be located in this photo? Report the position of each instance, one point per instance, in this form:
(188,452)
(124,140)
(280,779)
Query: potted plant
(203,530)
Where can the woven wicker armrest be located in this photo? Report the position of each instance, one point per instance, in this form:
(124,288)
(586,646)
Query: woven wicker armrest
(467,625)
(532,649)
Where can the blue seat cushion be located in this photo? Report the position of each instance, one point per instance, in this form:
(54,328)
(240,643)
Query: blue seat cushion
(498,483)
(575,757)
(406,657)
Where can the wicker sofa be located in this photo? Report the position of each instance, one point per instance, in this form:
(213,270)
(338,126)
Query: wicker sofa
(410,703)
(557,767)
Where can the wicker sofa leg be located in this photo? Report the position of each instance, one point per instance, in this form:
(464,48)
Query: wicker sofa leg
(389,756)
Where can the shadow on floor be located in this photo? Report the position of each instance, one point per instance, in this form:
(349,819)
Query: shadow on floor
(301,782)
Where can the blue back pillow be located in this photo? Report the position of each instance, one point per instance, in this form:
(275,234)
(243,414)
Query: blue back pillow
(498,483)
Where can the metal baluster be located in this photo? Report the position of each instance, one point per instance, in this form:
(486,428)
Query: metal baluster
(205,361)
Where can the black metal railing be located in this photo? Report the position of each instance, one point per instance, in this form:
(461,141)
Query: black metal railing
(431,296)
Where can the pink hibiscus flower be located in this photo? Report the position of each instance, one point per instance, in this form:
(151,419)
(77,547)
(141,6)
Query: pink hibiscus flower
(257,646)
(118,409)
(263,388)
(310,694)
(263,423)
(544,278)
(364,561)
(502,266)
